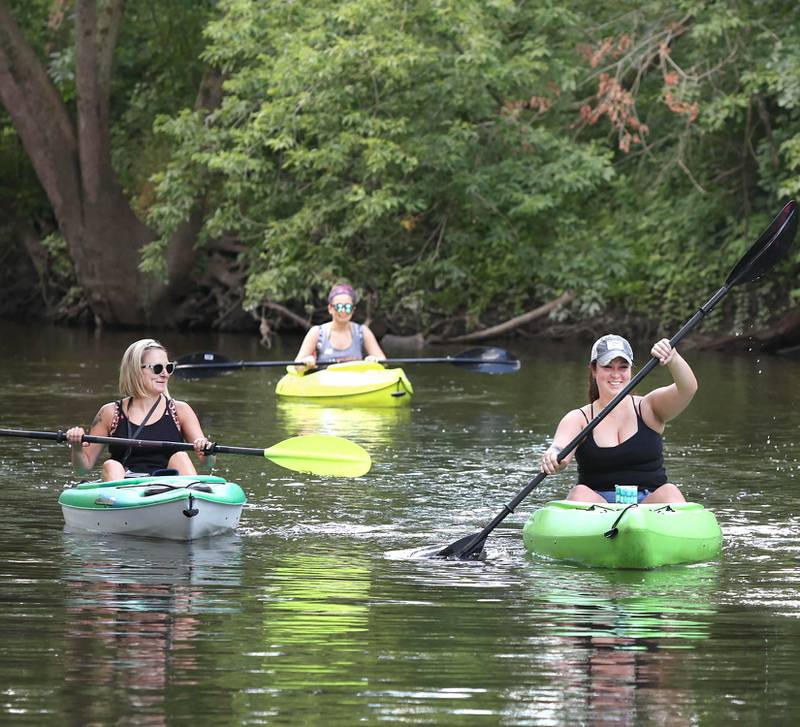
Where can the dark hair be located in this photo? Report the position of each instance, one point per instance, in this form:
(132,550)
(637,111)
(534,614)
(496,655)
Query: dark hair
(594,392)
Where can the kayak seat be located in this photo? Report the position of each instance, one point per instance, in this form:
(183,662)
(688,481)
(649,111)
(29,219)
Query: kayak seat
(166,487)
(157,490)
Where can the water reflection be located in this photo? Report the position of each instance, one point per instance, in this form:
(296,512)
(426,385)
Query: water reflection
(134,612)
(660,603)
(378,425)
(618,636)
(117,560)
(315,620)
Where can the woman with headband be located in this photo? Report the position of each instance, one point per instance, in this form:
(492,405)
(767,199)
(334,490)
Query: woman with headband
(340,339)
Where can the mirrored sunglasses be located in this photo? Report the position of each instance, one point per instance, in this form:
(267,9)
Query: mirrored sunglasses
(159,367)
(343,307)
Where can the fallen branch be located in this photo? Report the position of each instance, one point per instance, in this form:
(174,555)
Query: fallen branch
(512,323)
(283,310)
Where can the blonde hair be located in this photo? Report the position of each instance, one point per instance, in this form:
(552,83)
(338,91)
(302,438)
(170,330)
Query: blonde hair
(131,380)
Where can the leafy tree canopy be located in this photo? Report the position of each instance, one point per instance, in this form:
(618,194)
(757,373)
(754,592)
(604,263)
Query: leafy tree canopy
(464,160)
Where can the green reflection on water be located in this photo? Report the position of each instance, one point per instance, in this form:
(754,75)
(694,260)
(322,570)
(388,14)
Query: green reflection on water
(633,604)
(317,618)
(375,425)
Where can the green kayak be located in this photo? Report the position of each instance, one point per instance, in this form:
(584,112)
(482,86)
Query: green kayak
(615,535)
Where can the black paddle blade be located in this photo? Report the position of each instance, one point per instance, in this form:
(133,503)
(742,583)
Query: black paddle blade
(770,247)
(487,360)
(203,365)
(469,548)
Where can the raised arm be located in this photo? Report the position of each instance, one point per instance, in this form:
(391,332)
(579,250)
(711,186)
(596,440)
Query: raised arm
(667,402)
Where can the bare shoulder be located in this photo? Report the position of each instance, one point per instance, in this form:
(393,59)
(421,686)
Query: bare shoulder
(575,419)
(103,419)
(581,414)
(106,412)
(182,407)
(644,404)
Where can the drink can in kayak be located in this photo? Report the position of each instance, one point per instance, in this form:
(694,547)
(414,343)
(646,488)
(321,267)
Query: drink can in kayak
(626,494)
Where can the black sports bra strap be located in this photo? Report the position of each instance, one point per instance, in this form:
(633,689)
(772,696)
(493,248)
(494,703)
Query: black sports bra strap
(584,415)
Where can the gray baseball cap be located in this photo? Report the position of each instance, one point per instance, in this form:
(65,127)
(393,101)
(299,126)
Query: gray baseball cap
(609,347)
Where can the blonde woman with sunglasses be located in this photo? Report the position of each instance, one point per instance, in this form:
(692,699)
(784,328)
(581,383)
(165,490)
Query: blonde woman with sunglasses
(340,339)
(145,411)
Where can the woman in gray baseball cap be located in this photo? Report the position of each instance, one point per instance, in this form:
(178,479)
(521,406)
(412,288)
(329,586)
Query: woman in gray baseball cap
(626,448)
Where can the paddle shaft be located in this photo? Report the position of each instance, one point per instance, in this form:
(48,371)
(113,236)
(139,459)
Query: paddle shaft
(134,443)
(266,364)
(448,359)
(455,360)
(233,365)
(704,310)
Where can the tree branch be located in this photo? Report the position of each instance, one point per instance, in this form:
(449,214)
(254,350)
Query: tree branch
(92,107)
(512,323)
(283,310)
(109,22)
(39,117)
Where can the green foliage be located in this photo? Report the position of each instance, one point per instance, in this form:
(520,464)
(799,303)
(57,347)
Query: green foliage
(393,144)
(462,159)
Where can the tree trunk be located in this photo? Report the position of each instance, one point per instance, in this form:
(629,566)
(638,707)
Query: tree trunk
(73,163)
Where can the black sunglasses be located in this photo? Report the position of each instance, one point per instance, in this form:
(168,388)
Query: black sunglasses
(159,367)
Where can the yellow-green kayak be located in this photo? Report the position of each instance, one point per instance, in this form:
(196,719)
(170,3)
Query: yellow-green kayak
(615,535)
(359,383)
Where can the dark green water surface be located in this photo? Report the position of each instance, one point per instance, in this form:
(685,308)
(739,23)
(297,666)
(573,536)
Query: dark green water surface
(318,612)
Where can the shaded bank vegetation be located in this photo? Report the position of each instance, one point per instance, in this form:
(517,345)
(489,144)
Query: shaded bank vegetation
(462,162)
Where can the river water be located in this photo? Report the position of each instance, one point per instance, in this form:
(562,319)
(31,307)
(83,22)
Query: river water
(319,609)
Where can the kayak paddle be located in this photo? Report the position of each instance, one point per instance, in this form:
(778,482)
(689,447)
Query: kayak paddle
(316,454)
(770,247)
(486,360)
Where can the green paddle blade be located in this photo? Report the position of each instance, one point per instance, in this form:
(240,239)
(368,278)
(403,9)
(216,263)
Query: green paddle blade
(321,454)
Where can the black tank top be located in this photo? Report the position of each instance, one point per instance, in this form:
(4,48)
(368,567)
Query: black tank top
(145,460)
(638,460)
